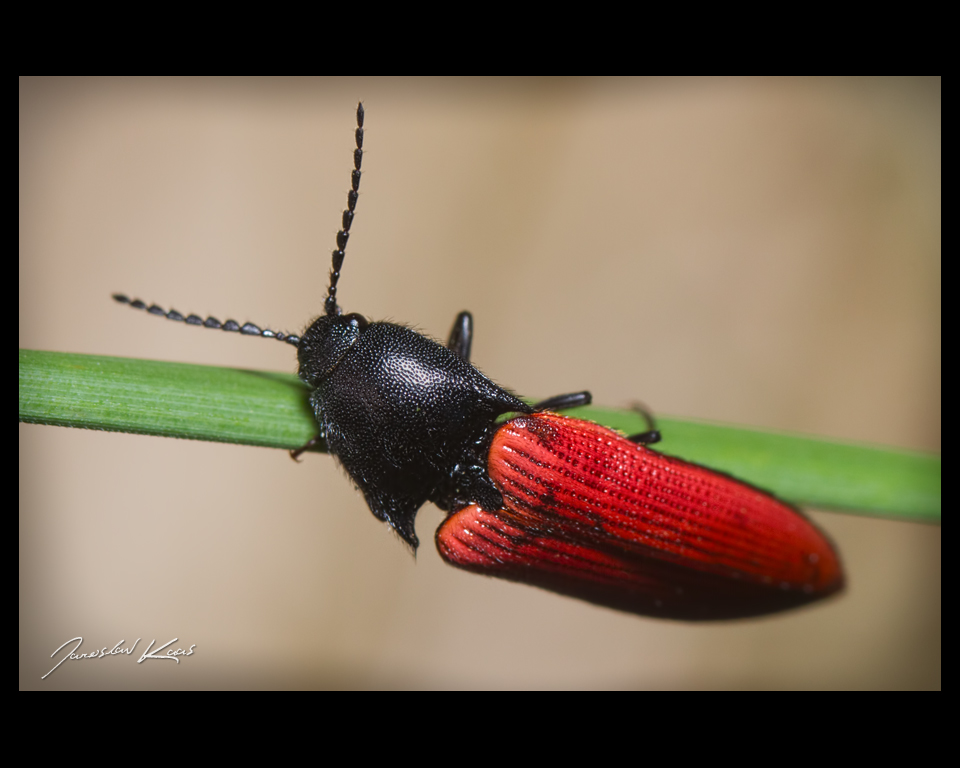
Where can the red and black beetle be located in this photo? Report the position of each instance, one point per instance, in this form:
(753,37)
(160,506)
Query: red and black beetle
(539,498)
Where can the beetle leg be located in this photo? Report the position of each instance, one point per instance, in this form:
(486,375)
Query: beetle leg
(560,402)
(297,452)
(461,335)
(316,403)
(652,435)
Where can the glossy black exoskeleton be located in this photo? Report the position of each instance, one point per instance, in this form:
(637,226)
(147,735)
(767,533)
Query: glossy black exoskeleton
(410,419)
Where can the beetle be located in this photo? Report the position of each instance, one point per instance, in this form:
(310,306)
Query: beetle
(531,495)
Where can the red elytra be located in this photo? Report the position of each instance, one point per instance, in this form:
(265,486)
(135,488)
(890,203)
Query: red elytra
(590,514)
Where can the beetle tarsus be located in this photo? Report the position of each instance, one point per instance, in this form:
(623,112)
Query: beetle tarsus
(296,453)
(562,402)
(646,438)
(652,434)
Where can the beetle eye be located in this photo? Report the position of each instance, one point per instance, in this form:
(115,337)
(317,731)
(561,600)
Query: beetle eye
(357,321)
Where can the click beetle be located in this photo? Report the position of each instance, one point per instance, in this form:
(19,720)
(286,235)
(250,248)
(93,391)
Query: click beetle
(531,495)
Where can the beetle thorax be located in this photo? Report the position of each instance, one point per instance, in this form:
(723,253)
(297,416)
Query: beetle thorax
(405,415)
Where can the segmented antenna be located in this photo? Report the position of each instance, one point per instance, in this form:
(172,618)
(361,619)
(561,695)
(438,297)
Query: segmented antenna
(330,304)
(247,329)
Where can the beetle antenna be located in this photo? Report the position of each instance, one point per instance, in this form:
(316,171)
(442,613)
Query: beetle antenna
(330,305)
(247,329)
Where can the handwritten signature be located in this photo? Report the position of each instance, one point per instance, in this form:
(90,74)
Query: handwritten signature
(120,650)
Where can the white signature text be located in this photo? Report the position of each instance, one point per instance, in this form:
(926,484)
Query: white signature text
(120,650)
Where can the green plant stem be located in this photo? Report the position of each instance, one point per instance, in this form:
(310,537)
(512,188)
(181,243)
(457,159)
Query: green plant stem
(270,409)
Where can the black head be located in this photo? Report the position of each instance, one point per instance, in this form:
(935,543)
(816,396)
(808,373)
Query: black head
(325,342)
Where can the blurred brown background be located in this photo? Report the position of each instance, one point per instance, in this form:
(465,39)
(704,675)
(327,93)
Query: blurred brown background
(763,252)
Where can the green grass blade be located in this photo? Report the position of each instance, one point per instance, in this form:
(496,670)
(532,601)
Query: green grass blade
(146,397)
(270,409)
(866,479)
